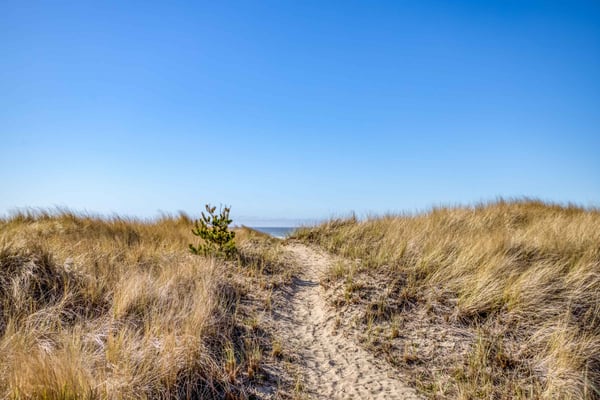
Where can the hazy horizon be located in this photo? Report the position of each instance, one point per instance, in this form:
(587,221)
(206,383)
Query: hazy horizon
(290,222)
(294,111)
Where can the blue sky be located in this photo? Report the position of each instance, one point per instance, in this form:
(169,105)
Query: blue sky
(297,110)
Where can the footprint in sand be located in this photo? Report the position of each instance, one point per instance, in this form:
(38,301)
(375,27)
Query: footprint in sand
(334,366)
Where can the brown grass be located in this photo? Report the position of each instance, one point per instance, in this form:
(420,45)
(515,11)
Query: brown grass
(497,300)
(117,308)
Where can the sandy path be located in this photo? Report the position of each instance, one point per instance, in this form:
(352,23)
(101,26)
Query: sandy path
(335,367)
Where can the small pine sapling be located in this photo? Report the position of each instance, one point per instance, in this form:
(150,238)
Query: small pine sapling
(214,231)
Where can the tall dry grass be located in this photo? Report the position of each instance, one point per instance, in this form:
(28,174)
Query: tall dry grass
(116,308)
(521,277)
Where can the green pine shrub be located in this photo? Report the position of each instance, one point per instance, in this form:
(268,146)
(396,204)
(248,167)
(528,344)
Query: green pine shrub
(213,229)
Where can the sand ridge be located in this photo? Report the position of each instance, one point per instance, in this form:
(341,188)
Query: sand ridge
(334,367)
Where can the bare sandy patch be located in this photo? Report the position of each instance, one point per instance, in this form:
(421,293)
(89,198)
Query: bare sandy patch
(333,365)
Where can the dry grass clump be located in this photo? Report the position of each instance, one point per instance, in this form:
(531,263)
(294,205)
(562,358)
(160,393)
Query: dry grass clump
(517,281)
(263,256)
(117,308)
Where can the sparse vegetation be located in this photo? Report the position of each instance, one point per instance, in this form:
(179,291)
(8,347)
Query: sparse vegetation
(493,301)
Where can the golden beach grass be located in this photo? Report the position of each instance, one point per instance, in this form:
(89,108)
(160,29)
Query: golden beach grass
(519,279)
(117,308)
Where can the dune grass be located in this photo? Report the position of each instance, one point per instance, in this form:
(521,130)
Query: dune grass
(117,308)
(497,300)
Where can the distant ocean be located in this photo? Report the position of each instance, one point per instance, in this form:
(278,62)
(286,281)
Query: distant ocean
(278,232)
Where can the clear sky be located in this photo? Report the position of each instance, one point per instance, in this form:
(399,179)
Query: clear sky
(299,109)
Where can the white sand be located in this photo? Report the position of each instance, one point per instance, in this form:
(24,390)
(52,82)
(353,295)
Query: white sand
(334,367)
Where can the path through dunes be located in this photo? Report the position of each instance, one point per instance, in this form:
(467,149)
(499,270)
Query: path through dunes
(334,366)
